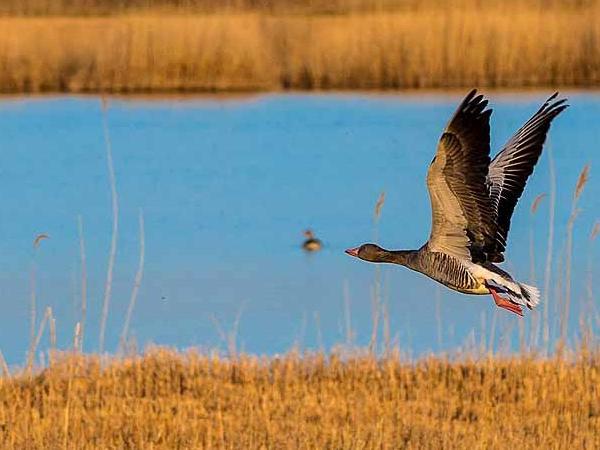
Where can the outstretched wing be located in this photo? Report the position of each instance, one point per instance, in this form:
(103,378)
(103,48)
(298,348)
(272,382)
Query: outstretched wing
(511,167)
(463,219)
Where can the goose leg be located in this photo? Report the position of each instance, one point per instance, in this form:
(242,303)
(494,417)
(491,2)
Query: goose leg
(503,303)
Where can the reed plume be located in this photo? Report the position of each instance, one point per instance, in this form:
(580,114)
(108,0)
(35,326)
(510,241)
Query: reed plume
(376,301)
(581,182)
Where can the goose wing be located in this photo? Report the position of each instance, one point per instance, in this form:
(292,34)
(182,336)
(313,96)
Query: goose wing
(510,169)
(463,218)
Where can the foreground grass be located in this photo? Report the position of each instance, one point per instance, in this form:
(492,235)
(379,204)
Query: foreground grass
(171,400)
(433,46)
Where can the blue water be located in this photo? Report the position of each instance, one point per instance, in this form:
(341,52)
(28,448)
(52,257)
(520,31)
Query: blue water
(227,185)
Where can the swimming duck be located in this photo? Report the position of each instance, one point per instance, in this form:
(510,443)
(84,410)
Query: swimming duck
(311,244)
(472,201)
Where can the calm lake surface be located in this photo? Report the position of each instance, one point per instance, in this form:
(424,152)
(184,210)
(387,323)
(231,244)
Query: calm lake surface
(227,185)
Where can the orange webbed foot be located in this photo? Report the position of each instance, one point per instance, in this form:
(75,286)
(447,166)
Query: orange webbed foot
(506,304)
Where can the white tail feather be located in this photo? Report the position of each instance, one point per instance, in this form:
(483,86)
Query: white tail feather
(531,295)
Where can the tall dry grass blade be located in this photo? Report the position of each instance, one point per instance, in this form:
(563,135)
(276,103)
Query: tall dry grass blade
(549,250)
(230,338)
(385,310)
(32,316)
(67,413)
(493,332)
(438,315)
(220,330)
(581,182)
(376,302)
(482,343)
(591,308)
(534,328)
(83,262)
(4,366)
(233,336)
(560,300)
(38,338)
(521,328)
(137,282)
(52,351)
(348,315)
(375,310)
(318,331)
(115,225)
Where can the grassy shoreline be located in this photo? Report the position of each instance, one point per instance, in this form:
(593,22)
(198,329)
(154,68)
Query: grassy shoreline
(433,48)
(186,400)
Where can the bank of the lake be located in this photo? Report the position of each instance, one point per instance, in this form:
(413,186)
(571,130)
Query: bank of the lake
(486,44)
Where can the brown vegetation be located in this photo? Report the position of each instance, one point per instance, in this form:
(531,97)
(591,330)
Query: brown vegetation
(395,45)
(170,400)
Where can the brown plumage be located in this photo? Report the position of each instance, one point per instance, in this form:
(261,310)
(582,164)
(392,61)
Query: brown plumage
(472,201)
(311,244)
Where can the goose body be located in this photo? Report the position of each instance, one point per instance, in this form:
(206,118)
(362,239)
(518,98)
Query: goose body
(472,201)
(311,243)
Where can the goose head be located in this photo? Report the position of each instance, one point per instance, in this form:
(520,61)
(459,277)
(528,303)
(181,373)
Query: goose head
(369,252)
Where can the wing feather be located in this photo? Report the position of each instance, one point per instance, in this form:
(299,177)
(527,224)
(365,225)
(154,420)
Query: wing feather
(463,220)
(510,169)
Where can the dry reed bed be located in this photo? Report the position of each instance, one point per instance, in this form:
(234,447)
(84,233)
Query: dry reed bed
(433,47)
(170,400)
(115,7)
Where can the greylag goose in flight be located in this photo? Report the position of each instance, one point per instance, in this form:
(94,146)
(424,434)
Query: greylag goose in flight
(472,201)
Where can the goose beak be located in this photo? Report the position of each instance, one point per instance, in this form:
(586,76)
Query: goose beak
(353,252)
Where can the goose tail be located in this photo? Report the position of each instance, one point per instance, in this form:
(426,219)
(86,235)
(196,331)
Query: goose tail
(530,294)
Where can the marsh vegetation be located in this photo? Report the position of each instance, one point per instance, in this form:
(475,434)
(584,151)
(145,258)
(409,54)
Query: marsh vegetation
(185,400)
(203,45)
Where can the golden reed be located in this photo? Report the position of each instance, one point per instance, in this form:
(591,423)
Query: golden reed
(389,45)
(171,400)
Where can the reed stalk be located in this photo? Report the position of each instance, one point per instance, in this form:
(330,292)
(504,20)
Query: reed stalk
(4,366)
(52,350)
(591,311)
(32,316)
(137,282)
(581,182)
(534,329)
(438,315)
(549,250)
(38,338)
(318,331)
(83,263)
(115,225)
(230,338)
(347,315)
(376,303)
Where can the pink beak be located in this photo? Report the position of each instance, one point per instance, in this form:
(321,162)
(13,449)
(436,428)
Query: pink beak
(353,251)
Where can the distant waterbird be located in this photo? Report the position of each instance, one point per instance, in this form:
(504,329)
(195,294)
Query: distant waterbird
(472,202)
(311,244)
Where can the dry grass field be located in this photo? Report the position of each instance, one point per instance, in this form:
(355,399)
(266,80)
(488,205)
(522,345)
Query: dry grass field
(189,401)
(362,44)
